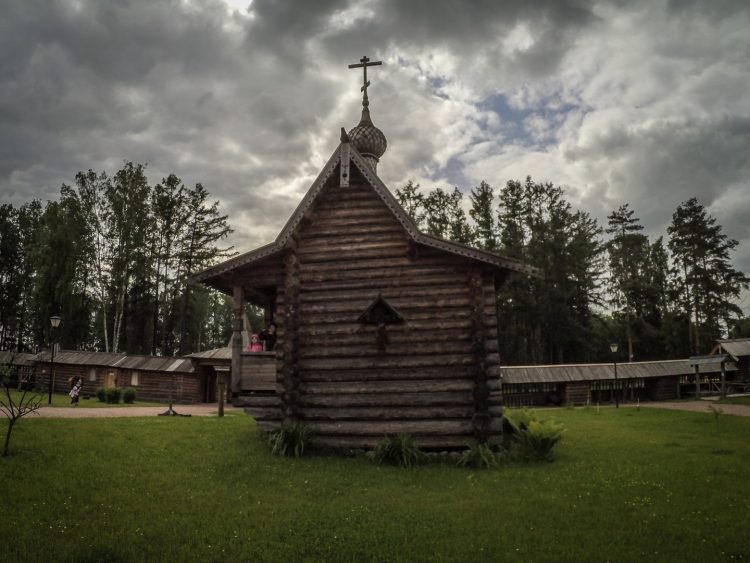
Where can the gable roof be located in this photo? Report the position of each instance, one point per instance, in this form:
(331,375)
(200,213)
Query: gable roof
(348,150)
(736,347)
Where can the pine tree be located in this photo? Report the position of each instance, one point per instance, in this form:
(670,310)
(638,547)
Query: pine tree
(628,251)
(706,279)
(410,198)
(483,213)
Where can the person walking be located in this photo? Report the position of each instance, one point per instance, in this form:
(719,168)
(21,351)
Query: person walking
(75,390)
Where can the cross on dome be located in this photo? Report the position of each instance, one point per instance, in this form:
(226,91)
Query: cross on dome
(368,139)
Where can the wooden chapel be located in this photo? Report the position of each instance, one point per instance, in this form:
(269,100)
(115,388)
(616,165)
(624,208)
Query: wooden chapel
(381,328)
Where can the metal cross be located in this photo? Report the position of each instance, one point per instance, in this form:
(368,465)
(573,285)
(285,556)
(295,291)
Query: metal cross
(364,62)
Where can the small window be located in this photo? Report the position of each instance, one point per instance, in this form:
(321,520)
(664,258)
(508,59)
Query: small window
(92,374)
(134,378)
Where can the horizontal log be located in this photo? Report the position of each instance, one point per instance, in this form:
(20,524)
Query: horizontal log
(437,331)
(314,244)
(257,401)
(387,413)
(353,223)
(364,293)
(264,413)
(403,304)
(365,243)
(374,264)
(387,362)
(369,442)
(418,386)
(420,280)
(410,272)
(386,374)
(393,350)
(340,255)
(385,427)
(348,201)
(388,400)
(424,317)
(360,230)
(362,211)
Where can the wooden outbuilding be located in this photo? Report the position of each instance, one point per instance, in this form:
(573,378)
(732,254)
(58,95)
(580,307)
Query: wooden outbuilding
(154,378)
(381,329)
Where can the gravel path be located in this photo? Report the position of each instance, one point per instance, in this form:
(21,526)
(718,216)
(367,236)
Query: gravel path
(209,409)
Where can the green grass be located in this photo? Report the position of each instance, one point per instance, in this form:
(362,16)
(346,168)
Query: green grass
(744,400)
(63,400)
(627,485)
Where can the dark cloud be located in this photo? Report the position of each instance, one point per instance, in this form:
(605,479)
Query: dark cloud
(619,101)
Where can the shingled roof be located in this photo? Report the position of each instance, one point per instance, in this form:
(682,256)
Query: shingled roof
(347,150)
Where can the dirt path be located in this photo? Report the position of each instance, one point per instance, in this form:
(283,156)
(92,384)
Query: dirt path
(209,409)
(699,406)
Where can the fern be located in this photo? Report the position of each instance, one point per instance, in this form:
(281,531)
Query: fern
(478,456)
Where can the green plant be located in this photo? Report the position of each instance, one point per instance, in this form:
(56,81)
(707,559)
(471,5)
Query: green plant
(478,456)
(101,394)
(14,407)
(113,395)
(530,438)
(128,396)
(717,412)
(290,440)
(399,450)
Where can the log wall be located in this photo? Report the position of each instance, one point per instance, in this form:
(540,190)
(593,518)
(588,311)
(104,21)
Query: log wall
(438,377)
(152,385)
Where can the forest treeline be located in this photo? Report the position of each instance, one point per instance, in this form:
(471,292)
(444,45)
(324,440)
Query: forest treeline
(598,284)
(113,257)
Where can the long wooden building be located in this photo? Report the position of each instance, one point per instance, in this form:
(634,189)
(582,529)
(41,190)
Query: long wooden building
(381,328)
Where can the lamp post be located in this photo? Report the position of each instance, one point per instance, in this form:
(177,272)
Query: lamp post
(54,321)
(613,348)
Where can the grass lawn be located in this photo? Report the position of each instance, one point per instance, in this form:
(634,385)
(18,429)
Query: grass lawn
(63,400)
(743,400)
(628,485)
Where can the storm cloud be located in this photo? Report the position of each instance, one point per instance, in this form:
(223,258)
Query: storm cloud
(639,102)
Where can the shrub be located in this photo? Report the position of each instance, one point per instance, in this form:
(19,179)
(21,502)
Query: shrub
(101,394)
(478,456)
(399,450)
(128,396)
(532,439)
(290,440)
(113,395)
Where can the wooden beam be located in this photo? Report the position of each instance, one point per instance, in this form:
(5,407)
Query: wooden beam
(238,304)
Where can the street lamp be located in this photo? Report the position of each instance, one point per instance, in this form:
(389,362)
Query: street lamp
(55,322)
(613,348)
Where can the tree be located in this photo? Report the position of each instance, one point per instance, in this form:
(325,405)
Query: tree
(548,318)
(483,213)
(445,218)
(14,408)
(412,201)
(196,249)
(706,280)
(628,252)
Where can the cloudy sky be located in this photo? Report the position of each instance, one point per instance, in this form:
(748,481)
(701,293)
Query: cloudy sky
(641,102)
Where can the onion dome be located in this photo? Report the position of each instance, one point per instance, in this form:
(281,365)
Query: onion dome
(368,139)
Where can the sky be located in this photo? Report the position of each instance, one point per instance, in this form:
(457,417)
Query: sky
(642,102)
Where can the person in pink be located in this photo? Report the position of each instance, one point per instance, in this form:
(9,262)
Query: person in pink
(254,345)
